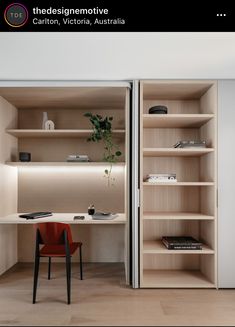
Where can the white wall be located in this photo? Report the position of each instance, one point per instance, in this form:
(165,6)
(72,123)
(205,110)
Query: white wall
(116,55)
(226,210)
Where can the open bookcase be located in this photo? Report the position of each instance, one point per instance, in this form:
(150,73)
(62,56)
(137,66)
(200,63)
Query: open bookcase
(187,207)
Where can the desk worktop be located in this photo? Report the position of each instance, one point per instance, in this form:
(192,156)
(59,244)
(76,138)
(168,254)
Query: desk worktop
(62,218)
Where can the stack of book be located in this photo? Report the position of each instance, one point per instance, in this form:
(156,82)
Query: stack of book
(160,178)
(190,144)
(181,243)
(77,158)
(104,216)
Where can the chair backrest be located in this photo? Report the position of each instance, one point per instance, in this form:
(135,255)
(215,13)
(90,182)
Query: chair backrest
(53,233)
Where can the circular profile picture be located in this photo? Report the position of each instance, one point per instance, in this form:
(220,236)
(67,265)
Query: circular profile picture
(16,15)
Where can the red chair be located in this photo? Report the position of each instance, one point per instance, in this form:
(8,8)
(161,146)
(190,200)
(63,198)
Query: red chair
(56,239)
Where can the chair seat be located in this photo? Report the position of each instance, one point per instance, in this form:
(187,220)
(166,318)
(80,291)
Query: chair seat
(58,250)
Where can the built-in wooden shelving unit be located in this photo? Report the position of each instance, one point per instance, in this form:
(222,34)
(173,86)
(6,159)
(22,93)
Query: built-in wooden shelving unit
(186,207)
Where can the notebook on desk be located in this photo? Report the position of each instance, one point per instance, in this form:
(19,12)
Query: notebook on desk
(36,215)
(104,216)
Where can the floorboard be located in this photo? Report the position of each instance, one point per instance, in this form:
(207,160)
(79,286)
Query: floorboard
(103,299)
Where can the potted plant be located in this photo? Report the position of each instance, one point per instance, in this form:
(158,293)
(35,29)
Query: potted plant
(102,131)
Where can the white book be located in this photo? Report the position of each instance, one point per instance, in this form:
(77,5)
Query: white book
(161,180)
(161,175)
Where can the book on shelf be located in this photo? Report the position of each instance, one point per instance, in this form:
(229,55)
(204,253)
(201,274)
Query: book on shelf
(98,215)
(190,144)
(158,178)
(181,243)
(77,158)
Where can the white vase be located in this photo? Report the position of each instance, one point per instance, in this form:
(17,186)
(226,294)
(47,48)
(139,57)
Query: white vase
(44,119)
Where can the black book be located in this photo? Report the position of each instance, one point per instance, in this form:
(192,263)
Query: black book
(35,215)
(181,243)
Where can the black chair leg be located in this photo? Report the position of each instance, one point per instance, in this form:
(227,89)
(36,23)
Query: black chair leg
(81,270)
(68,274)
(35,280)
(49,268)
(68,266)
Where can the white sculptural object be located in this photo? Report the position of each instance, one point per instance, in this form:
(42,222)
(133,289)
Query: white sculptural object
(49,125)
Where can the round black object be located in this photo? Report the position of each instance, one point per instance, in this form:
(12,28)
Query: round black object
(25,156)
(158,110)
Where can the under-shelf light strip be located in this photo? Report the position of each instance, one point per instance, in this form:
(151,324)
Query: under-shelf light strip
(72,169)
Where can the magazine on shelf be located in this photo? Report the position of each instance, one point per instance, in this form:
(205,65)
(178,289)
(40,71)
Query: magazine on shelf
(190,144)
(104,216)
(158,178)
(181,243)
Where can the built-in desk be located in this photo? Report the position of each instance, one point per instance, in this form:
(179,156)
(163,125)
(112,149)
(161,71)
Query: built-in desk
(104,240)
(62,218)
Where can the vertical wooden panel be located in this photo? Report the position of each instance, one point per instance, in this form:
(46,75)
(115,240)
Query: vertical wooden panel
(226,190)
(8,185)
(209,104)
(141,165)
(127,187)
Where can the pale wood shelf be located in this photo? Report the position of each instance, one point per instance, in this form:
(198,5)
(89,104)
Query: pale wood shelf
(175,279)
(179,184)
(63,218)
(159,248)
(62,164)
(175,120)
(174,152)
(20,133)
(148,215)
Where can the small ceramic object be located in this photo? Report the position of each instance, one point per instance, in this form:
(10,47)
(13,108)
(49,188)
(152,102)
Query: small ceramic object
(44,119)
(91,209)
(49,125)
(25,156)
(161,110)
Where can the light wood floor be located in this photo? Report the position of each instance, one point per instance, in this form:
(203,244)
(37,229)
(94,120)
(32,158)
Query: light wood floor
(102,299)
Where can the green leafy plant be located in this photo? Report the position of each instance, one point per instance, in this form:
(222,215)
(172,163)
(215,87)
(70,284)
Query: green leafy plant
(102,131)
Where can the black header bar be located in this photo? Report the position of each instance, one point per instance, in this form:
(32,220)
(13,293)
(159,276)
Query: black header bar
(115,16)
